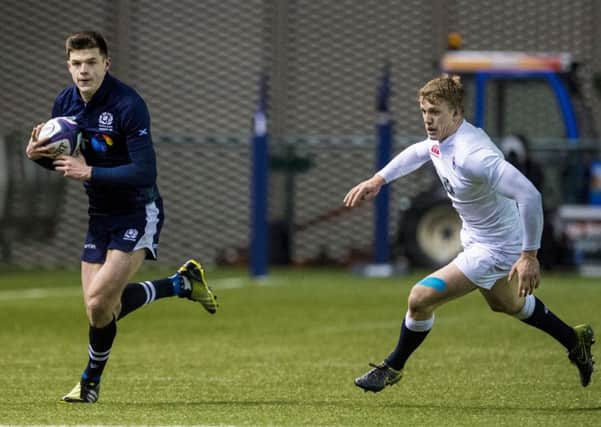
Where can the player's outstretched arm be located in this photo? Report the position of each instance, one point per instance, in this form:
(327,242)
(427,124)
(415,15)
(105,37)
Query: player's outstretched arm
(366,190)
(403,164)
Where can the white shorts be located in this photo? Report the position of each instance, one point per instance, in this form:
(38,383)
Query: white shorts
(483,265)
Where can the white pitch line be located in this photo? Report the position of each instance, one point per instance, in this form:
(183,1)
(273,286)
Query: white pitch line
(40,293)
(231,283)
(241,282)
(101,425)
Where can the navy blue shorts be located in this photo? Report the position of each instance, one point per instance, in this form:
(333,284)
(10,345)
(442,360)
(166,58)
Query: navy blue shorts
(127,233)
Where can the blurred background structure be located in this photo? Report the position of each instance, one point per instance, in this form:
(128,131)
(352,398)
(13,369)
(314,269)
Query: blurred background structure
(198,64)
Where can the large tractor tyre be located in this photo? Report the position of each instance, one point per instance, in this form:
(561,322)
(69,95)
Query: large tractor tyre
(429,233)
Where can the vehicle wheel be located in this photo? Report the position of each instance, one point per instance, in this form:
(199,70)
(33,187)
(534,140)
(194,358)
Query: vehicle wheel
(430,234)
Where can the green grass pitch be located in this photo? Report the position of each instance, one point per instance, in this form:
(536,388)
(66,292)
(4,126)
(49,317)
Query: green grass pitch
(285,352)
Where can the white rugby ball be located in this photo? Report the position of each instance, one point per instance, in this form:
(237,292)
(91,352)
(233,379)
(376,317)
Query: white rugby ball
(63,134)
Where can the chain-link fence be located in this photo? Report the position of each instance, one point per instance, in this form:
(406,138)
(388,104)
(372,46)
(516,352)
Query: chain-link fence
(197,64)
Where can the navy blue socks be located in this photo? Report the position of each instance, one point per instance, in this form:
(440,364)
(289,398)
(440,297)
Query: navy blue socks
(535,313)
(135,295)
(413,333)
(99,350)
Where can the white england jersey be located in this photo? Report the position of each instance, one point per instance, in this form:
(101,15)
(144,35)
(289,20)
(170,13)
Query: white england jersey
(485,190)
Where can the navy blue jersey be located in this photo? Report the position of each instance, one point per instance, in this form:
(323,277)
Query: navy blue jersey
(116,143)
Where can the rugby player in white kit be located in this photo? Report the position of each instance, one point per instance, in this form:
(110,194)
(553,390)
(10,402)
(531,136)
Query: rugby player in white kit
(502,222)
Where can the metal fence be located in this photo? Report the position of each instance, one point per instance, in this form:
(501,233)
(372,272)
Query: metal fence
(197,64)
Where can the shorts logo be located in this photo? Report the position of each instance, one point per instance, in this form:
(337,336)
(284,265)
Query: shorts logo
(131,235)
(89,246)
(435,150)
(105,122)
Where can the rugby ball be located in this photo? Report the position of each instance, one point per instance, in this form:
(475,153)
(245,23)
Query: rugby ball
(63,134)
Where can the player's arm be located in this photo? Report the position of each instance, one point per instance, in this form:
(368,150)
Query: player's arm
(511,183)
(140,172)
(408,160)
(365,190)
(514,185)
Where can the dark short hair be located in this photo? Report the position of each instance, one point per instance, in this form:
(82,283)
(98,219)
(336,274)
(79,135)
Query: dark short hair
(86,40)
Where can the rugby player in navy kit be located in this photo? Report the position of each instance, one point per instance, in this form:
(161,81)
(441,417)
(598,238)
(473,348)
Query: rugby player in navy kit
(117,166)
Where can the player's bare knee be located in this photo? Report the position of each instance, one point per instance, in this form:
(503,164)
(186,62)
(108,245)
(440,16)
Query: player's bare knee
(99,311)
(419,302)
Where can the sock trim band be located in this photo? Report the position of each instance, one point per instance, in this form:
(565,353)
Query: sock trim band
(151,292)
(419,325)
(98,356)
(527,309)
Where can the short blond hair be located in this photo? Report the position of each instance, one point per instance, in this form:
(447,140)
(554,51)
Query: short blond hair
(444,88)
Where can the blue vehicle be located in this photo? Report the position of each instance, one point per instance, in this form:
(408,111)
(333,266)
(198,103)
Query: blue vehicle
(532,106)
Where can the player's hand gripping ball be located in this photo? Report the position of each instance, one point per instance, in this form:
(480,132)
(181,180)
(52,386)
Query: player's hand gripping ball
(64,136)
